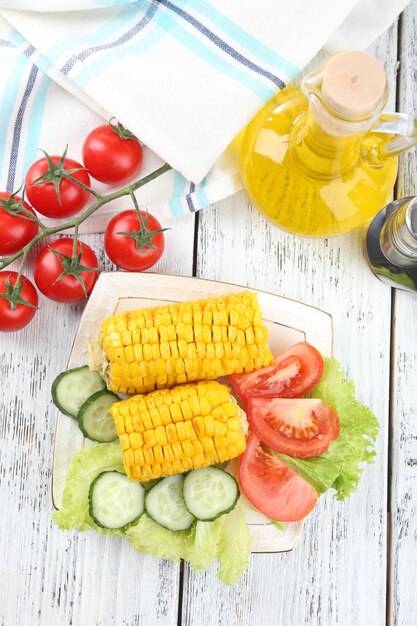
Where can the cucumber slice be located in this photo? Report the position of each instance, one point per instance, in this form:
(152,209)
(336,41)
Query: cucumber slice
(94,419)
(164,503)
(115,501)
(72,388)
(210,492)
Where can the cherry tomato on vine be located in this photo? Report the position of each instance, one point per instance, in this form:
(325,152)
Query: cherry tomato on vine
(112,154)
(61,276)
(17,229)
(53,195)
(18,305)
(131,245)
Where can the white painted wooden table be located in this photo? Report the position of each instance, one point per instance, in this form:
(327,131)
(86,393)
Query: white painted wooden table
(356,564)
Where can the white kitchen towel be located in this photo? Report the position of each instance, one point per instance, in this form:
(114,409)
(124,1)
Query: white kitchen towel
(184,75)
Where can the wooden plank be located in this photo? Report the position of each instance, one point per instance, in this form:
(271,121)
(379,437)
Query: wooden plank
(47,576)
(337,573)
(403,565)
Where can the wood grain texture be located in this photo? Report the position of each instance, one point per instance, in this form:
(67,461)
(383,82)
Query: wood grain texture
(47,576)
(403,562)
(337,573)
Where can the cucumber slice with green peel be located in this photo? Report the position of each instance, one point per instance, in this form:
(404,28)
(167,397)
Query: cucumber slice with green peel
(94,419)
(210,492)
(115,500)
(72,388)
(164,503)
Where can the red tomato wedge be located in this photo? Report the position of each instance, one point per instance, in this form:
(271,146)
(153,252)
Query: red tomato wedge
(272,487)
(297,427)
(294,373)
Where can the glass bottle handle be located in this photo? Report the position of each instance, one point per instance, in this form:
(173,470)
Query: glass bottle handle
(404,129)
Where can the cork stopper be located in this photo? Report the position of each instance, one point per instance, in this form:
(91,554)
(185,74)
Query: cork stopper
(353,83)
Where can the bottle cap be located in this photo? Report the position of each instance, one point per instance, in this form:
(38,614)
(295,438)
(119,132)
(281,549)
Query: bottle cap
(353,83)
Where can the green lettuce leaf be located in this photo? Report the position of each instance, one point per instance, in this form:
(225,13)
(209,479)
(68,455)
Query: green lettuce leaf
(341,466)
(206,538)
(149,537)
(234,547)
(84,468)
(278,525)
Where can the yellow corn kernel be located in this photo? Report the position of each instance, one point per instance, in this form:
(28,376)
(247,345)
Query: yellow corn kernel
(220,428)
(175,412)
(180,431)
(148,454)
(222,455)
(167,468)
(124,441)
(158,455)
(220,443)
(171,432)
(136,440)
(205,406)
(177,466)
(128,458)
(138,456)
(128,424)
(149,438)
(176,449)
(119,422)
(209,425)
(194,403)
(168,454)
(187,448)
(207,443)
(198,423)
(187,464)
(147,350)
(207,334)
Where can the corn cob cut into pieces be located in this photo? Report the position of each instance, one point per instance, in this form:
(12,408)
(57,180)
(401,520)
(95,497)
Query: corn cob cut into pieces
(170,431)
(159,347)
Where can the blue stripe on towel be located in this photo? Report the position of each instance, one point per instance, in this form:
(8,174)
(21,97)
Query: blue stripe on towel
(225,47)
(14,152)
(6,43)
(114,21)
(189,198)
(184,36)
(122,39)
(243,38)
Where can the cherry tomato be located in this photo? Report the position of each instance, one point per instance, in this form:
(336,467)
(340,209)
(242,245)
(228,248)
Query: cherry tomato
(123,250)
(111,158)
(15,230)
(49,268)
(19,317)
(43,197)
(298,427)
(272,487)
(294,373)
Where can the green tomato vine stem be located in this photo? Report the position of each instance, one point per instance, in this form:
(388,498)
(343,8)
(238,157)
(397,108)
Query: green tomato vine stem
(101,200)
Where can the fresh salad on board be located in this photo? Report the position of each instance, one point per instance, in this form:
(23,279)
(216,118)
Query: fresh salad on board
(165,429)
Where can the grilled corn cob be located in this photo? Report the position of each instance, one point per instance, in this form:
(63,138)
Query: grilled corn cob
(171,431)
(160,347)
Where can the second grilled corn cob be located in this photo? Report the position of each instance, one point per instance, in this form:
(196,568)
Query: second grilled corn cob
(171,431)
(159,347)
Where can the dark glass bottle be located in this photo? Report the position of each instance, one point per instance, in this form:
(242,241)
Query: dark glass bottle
(391,244)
